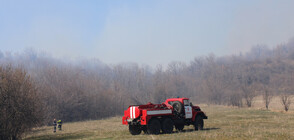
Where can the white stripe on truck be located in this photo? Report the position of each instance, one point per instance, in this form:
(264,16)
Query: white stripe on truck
(133,112)
(158,112)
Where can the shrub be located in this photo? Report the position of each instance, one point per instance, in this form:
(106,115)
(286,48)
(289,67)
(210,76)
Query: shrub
(20,107)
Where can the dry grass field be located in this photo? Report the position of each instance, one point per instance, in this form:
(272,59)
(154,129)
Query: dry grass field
(223,123)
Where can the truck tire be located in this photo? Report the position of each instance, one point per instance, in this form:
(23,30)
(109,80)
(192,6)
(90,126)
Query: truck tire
(179,127)
(144,128)
(153,127)
(167,126)
(135,129)
(177,106)
(198,123)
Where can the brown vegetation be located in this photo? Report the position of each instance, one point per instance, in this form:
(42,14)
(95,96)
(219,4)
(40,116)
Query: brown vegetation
(89,89)
(20,107)
(224,123)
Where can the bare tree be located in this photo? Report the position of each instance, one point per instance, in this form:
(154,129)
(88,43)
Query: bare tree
(286,101)
(263,85)
(235,100)
(247,81)
(267,97)
(284,85)
(248,95)
(20,107)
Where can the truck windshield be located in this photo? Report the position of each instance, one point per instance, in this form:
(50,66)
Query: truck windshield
(186,103)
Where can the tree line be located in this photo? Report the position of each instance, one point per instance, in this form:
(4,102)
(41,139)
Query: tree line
(89,89)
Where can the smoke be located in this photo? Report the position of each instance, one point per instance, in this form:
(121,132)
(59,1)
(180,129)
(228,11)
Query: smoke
(261,22)
(144,32)
(56,37)
(157,34)
(171,31)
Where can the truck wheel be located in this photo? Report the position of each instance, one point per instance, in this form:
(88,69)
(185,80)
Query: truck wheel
(179,127)
(144,128)
(135,129)
(153,127)
(167,126)
(198,123)
(178,106)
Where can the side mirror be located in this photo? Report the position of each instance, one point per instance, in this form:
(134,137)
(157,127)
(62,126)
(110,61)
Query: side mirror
(191,104)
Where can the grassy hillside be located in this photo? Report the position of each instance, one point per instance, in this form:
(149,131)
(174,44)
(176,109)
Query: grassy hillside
(223,123)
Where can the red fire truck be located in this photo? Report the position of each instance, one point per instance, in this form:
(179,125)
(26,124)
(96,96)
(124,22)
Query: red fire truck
(154,118)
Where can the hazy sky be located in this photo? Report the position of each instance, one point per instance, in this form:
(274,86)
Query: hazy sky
(143,31)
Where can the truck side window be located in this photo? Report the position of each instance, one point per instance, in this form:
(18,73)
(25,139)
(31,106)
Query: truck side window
(186,103)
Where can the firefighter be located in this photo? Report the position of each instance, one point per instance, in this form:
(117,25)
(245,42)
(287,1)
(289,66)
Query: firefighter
(59,122)
(54,125)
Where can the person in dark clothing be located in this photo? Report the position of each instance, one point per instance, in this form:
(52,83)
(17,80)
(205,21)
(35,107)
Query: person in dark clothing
(54,125)
(59,122)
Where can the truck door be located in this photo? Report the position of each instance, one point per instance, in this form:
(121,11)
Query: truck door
(188,110)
